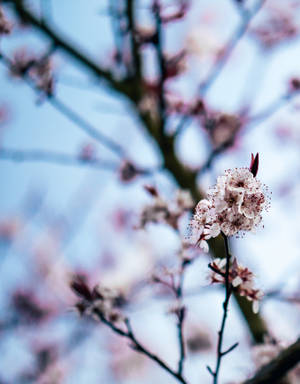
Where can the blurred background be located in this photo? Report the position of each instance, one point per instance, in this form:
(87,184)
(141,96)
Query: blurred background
(74,160)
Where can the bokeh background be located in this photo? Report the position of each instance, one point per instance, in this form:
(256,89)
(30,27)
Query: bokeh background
(58,219)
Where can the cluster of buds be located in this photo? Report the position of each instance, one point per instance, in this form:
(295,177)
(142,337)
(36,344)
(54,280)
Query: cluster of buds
(87,152)
(5,25)
(294,84)
(175,64)
(240,278)
(279,26)
(100,301)
(234,205)
(42,73)
(28,308)
(39,69)
(128,171)
(162,211)
(222,128)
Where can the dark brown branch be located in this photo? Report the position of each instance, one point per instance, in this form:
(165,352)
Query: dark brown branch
(69,48)
(137,346)
(274,371)
(135,48)
(161,64)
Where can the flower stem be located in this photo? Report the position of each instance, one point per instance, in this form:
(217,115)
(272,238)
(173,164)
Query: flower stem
(228,292)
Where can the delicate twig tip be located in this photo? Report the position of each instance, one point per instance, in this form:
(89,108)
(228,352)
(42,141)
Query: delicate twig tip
(254,164)
(210,370)
(230,349)
(151,190)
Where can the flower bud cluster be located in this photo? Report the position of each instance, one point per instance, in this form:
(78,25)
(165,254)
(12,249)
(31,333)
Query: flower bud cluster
(39,69)
(99,301)
(241,279)
(162,211)
(233,206)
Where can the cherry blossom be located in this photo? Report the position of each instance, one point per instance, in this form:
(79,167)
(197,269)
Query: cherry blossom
(241,279)
(234,205)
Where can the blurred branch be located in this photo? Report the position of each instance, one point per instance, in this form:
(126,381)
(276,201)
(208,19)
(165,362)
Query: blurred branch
(70,113)
(222,60)
(55,158)
(272,372)
(28,17)
(161,64)
(228,49)
(137,346)
(272,108)
(45,156)
(251,121)
(135,48)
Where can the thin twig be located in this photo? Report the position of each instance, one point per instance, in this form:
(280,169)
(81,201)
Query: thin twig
(222,61)
(251,121)
(180,321)
(272,108)
(228,292)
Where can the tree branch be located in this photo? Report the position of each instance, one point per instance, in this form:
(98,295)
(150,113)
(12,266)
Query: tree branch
(233,41)
(272,372)
(185,178)
(28,17)
(70,113)
(54,158)
(228,292)
(137,346)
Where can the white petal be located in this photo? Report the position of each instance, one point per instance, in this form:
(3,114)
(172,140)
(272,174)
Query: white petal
(204,246)
(237,281)
(220,262)
(255,306)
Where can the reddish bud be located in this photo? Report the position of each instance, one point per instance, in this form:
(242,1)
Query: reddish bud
(254,164)
(151,190)
(128,171)
(295,84)
(79,286)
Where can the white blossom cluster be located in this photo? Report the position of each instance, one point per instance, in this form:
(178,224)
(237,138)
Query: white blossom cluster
(240,277)
(233,206)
